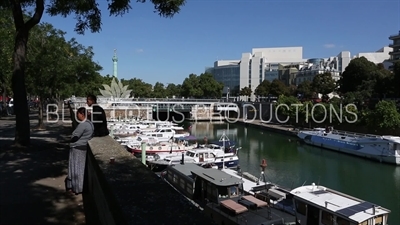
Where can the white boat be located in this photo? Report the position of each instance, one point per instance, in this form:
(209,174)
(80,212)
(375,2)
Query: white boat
(205,154)
(133,140)
(381,148)
(317,204)
(160,147)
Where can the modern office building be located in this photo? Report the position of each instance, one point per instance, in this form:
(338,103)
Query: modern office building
(254,65)
(228,73)
(377,57)
(287,64)
(395,53)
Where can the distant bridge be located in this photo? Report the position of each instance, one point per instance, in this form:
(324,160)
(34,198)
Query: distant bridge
(160,104)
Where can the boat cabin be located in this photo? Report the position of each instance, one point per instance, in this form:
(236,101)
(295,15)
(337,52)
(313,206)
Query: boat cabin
(161,133)
(318,205)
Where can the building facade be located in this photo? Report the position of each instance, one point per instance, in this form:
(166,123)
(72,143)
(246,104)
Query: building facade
(287,64)
(379,56)
(395,53)
(313,67)
(228,73)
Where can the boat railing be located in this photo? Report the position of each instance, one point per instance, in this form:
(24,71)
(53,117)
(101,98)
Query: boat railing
(353,134)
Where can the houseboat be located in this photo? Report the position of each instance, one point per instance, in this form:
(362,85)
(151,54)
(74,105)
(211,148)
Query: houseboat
(379,148)
(319,205)
(220,195)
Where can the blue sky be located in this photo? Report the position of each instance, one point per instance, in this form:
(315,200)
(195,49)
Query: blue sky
(154,49)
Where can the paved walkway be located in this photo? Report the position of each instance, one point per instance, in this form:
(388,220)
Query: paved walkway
(32,179)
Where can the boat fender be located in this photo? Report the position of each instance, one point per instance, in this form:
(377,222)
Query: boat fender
(159,148)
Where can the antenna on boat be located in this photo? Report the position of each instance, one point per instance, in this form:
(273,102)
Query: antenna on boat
(319,177)
(223,138)
(304,183)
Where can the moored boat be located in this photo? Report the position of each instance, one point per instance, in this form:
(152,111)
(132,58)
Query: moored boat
(219,194)
(223,199)
(317,204)
(204,154)
(160,148)
(379,148)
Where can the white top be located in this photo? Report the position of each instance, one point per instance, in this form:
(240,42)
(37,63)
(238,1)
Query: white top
(338,203)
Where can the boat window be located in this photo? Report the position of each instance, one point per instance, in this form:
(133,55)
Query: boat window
(341,221)
(327,218)
(379,220)
(182,183)
(223,192)
(197,155)
(233,191)
(301,208)
(206,155)
(189,188)
(175,179)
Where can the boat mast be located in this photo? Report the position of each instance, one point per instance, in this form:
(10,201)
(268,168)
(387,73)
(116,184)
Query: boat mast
(223,138)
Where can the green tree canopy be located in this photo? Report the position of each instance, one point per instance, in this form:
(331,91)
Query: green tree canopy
(278,88)
(159,90)
(305,89)
(88,16)
(358,76)
(245,91)
(263,88)
(191,87)
(210,87)
(384,115)
(324,84)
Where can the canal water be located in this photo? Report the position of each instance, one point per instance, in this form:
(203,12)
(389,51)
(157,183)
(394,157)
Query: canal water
(292,164)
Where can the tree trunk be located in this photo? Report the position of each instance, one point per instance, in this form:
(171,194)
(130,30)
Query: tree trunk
(40,117)
(22,127)
(4,93)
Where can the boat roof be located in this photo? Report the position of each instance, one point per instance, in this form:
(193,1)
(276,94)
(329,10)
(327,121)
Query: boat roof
(217,177)
(338,203)
(186,169)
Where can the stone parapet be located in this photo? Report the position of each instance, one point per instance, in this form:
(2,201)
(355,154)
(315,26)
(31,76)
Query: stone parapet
(127,192)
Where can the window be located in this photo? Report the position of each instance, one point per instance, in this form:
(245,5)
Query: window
(233,191)
(301,208)
(341,221)
(175,179)
(189,188)
(379,220)
(182,183)
(223,192)
(327,218)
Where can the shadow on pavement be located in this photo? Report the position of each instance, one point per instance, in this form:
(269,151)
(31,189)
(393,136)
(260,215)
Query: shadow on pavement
(32,179)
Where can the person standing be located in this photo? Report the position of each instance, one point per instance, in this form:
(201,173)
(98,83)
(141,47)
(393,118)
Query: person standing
(98,117)
(77,153)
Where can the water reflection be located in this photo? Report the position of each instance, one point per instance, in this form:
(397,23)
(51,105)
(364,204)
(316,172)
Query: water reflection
(292,164)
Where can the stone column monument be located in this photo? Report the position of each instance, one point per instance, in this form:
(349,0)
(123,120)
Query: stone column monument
(115,62)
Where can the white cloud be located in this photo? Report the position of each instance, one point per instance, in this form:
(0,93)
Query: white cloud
(139,50)
(329,45)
